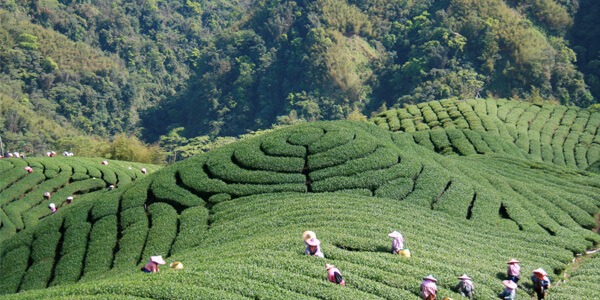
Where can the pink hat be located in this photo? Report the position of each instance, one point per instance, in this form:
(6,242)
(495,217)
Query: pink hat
(395,234)
(328,266)
(313,242)
(464,277)
(513,261)
(157,259)
(540,271)
(430,277)
(509,284)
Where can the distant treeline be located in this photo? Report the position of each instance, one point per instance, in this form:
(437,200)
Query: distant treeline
(220,68)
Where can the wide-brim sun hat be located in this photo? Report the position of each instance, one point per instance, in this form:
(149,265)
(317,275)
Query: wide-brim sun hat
(328,266)
(540,271)
(509,284)
(157,259)
(513,261)
(464,277)
(430,277)
(394,234)
(308,235)
(51,205)
(313,242)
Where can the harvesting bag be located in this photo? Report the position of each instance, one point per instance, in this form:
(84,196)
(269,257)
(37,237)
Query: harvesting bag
(404,252)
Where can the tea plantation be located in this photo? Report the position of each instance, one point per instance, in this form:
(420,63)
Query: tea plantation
(466,200)
(22,200)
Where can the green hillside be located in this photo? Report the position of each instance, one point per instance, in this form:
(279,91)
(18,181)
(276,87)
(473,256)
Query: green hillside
(565,136)
(234,218)
(22,194)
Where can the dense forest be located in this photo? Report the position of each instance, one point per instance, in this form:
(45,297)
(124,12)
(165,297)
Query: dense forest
(76,73)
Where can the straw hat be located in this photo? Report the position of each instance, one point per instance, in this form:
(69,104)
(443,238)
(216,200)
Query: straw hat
(513,261)
(328,266)
(51,206)
(430,277)
(464,277)
(176,265)
(395,234)
(157,259)
(308,235)
(509,284)
(540,271)
(313,242)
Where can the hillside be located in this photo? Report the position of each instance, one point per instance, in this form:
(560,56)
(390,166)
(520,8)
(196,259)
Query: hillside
(234,217)
(220,68)
(22,197)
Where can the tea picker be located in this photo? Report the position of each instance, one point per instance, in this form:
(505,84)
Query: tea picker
(541,283)
(334,275)
(313,247)
(465,286)
(429,288)
(398,244)
(152,265)
(514,270)
(510,290)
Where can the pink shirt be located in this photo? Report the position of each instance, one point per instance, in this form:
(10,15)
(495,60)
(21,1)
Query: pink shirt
(428,288)
(398,243)
(152,267)
(514,270)
(331,275)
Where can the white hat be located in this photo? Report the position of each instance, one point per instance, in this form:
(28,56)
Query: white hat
(464,277)
(157,259)
(395,234)
(51,206)
(308,235)
(430,277)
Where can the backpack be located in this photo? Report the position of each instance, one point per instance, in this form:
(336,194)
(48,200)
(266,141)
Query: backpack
(338,277)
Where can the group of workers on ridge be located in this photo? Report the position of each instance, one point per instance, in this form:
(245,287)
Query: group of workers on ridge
(428,287)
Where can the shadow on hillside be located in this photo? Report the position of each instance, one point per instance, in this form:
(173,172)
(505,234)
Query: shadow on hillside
(378,249)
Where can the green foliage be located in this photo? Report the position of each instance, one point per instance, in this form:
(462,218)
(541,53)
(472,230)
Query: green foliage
(234,219)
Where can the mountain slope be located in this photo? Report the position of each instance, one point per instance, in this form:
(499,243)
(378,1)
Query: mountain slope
(234,217)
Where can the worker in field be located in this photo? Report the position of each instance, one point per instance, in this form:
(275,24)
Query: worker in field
(111,187)
(465,287)
(397,241)
(334,275)
(28,169)
(541,283)
(152,265)
(510,290)
(313,247)
(70,199)
(429,288)
(143,170)
(52,207)
(104,162)
(514,270)
(47,195)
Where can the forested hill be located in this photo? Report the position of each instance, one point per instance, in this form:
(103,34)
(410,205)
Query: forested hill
(73,67)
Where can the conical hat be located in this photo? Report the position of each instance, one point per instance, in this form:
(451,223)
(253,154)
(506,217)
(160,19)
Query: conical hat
(464,277)
(157,259)
(509,284)
(430,277)
(328,266)
(513,261)
(313,242)
(394,234)
(540,271)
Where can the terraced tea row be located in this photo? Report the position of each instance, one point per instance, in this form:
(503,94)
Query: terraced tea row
(253,250)
(181,209)
(565,136)
(22,194)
